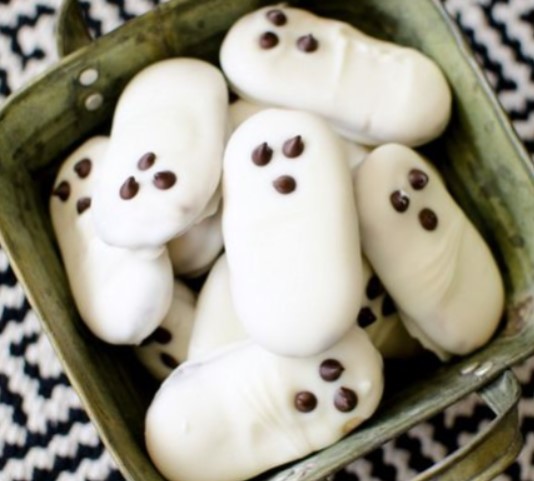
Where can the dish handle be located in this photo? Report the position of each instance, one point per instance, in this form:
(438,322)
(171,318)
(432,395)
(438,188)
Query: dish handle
(71,30)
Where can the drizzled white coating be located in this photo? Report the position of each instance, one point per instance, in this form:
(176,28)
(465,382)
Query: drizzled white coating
(294,258)
(372,91)
(122,295)
(444,281)
(177,110)
(168,345)
(239,406)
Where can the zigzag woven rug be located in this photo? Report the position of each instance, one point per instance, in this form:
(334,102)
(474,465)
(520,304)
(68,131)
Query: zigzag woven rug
(45,433)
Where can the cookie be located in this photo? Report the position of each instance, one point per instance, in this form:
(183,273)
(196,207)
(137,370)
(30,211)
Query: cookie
(194,252)
(166,348)
(216,323)
(372,91)
(291,232)
(122,295)
(253,410)
(165,154)
(430,258)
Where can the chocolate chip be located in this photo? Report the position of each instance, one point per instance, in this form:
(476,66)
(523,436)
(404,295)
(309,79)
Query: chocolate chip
(293,147)
(169,360)
(262,154)
(129,189)
(428,219)
(62,190)
(146,161)
(345,399)
(164,180)
(366,317)
(285,184)
(400,201)
(83,168)
(305,401)
(307,43)
(83,204)
(374,288)
(418,179)
(277,17)
(232,97)
(268,40)
(330,370)
(388,306)
(160,336)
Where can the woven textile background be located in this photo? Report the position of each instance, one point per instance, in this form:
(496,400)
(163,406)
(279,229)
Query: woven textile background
(45,433)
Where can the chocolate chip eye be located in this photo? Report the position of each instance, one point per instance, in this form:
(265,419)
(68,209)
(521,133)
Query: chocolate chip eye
(285,184)
(345,399)
(307,43)
(365,317)
(168,360)
(293,147)
(400,201)
(62,191)
(164,180)
(428,219)
(129,188)
(83,168)
(268,40)
(331,370)
(83,204)
(277,17)
(418,179)
(262,154)
(305,401)
(159,336)
(374,288)
(388,306)
(146,161)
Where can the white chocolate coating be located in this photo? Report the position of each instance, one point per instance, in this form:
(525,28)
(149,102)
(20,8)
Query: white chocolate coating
(372,91)
(121,295)
(167,346)
(240,408)
(386,330)
(176,110)
(294,257)
(216,323)
(195,251)
(443,278)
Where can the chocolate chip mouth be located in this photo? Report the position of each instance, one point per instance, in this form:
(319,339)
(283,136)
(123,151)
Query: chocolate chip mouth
(305,401)
(345,399)
(285,184)
(164,180)
(428,219)
(83,204)
(366,317)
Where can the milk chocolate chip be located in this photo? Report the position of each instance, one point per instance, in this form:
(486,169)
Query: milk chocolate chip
(305,401)
(168,360)
(285,184)
(330,370)
(418,179)
(262,154)
(400,201)
(307,43)
(268,40)
(388,306)
(374,288)
(83,204)
(83,168)
(129,189)
(164,180)
(146,161)
(293,147)
(62,190)
(428,219)
(365,317)
(345,399)
(277,17)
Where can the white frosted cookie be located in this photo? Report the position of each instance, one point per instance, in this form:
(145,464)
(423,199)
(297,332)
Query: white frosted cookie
(252,410)
(291,232)
(372,91)
(378,316)
(166,347)
(429,256)
(122,295)
(195,251)
(164,160)
(216,323)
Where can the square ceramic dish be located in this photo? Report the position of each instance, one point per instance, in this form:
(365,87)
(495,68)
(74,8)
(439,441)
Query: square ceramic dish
(485,165)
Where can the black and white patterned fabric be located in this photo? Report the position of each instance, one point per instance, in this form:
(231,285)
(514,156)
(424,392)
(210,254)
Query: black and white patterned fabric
(45,433)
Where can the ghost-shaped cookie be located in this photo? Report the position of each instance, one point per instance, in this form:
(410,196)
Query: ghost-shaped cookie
(291,232)
(166,348)
(253,410)
(164,160)
(122,295)
(430,258)
(371,90)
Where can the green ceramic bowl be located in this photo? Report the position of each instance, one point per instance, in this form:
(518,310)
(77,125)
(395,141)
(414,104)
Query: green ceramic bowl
(485,165)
